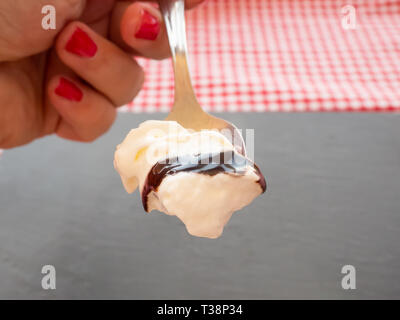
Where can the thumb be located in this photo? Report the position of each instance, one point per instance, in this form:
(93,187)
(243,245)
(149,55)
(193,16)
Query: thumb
(21,30)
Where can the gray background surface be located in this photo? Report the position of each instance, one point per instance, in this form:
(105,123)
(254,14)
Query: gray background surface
(333,199)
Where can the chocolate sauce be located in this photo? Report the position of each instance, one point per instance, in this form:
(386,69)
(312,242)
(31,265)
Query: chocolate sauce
(210,164)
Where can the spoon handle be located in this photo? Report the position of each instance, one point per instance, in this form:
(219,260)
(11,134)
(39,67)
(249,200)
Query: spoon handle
(174,16)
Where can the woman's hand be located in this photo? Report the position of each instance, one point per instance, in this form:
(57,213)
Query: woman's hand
(69,81)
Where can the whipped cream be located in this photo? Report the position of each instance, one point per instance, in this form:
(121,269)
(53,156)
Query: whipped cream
(197,176)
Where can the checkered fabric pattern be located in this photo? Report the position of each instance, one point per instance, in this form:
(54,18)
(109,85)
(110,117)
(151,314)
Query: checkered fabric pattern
(286,55)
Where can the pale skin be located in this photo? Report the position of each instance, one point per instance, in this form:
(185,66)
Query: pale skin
(33,60)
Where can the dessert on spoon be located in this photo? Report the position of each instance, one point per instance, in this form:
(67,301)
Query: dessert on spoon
(192,165)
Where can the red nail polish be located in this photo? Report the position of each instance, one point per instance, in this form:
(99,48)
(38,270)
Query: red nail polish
(69,90)
(81,44)
(149,28)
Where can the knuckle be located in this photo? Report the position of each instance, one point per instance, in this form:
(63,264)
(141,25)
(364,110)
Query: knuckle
(73,8)
(88,138)
(136,83)
(7,134)
(91,136)
(6,139)
(99,125)
(9,137)
(18,123)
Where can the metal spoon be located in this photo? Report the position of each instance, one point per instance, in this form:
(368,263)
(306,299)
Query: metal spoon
(186,109)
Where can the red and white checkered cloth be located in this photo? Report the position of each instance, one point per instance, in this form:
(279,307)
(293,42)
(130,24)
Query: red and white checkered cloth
(286,55)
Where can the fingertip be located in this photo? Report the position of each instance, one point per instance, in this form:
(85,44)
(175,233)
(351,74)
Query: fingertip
(149,26)
(64,91)
(67,96)
(130,21)
(143,30)
(65,36)
(141,21)
(85,114)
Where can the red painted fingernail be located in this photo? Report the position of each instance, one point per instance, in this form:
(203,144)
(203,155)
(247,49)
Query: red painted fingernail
(81,44)
(149,28)
(69,90)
